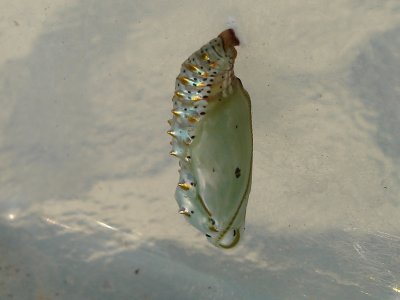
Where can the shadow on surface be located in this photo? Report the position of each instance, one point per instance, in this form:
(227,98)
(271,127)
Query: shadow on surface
(333,265)
(375,79)
(60,136)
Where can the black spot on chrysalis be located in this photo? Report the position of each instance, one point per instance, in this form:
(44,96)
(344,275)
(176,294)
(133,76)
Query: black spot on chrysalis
(237,172)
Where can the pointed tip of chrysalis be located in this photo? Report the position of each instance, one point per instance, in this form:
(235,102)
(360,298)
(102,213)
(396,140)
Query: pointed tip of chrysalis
(232,23)
(229,38)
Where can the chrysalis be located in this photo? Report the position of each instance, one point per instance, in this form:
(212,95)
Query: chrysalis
(212,137)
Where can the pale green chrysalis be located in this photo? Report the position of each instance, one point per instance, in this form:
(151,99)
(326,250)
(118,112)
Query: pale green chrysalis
(212,137)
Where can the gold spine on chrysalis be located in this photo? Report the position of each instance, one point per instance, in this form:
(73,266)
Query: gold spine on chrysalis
(205,56)
(192,119)
(174,153)
(187,81)
(179,94)
(184,80)
(172,133)
(184,186)
(195,68)
(213,228)
(196,98)
(177,112)
(184,211)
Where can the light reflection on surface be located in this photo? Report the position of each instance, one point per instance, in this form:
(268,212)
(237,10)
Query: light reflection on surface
(106,225)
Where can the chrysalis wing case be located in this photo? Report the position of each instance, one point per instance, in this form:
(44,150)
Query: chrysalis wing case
(212,137)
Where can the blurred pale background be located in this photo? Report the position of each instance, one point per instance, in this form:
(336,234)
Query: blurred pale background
(86,183)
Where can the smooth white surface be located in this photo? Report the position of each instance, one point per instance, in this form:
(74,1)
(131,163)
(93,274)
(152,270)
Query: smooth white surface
(86,197)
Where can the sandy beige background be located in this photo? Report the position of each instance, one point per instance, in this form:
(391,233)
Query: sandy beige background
(86,197)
